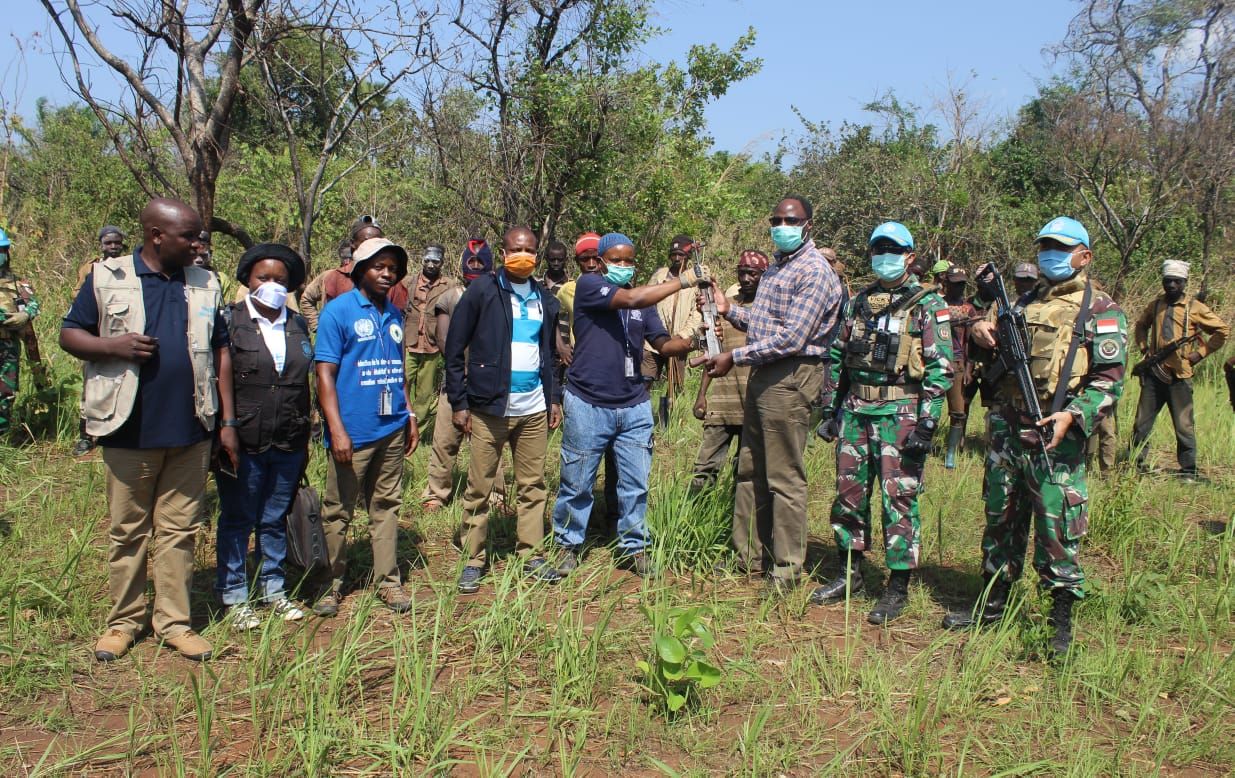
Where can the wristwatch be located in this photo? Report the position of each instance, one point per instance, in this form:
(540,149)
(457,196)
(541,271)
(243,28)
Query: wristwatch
(230,423)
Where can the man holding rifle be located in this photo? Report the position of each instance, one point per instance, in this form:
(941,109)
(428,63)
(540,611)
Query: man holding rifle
(722,413)
(1174,333)
(1060,349)
(788,330)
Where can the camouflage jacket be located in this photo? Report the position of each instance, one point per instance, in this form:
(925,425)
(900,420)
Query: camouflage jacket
(927,374)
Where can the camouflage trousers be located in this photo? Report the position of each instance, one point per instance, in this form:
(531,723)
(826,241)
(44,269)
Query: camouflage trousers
(870,450)
(10,360)
(1018,488)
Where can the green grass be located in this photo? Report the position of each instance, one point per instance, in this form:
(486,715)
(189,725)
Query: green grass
(527,680)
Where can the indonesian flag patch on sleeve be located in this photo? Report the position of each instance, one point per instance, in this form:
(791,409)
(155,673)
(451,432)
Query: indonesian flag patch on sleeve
(943,315)
(1104,325)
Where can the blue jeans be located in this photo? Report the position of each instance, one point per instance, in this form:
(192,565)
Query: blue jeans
(258,498)
(586,432)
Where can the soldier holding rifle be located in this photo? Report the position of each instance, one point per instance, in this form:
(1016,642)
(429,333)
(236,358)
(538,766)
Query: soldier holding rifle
(1061,350)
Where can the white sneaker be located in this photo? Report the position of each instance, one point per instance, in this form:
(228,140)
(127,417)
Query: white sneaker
(242,617)
(287,610)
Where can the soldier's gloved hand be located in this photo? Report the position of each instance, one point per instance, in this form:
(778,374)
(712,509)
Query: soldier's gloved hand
(828,429)
(687,277)
(919,441)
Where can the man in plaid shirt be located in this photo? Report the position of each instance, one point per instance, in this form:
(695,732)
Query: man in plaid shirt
(788,330)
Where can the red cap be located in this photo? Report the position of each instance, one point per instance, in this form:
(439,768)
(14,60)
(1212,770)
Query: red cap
(587,241)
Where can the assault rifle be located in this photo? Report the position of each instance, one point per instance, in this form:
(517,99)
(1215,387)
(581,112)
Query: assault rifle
(1012,352)
(1153,363)
(708,308)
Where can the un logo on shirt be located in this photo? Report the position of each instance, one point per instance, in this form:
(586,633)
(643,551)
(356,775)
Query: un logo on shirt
(363,328)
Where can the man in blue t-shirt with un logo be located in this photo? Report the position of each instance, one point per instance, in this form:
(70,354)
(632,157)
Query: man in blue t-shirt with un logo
(369,429)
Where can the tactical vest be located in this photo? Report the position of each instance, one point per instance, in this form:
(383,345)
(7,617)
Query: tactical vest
(272,407)
(884,341)
(110,387)
(1050,323)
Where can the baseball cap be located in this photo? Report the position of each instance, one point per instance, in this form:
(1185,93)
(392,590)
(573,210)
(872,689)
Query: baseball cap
(894,231)
(957,273)
(680,243)
(371,248)
(940,267)
(1025,270)
(1067,231)
(4,239)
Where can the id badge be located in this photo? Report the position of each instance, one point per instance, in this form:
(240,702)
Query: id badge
(630,366)
(386,404)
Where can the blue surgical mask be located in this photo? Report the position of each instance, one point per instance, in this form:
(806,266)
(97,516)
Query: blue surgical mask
(1055,264)
(620,274)
(888,267)
(787,237)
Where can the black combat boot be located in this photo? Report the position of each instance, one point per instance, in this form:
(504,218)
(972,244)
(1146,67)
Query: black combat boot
(893,600)
(992,610)
(849,580)
(1061,620)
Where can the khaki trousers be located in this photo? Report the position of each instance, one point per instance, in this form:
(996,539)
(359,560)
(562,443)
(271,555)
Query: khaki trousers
(769,516)
(154,493)
(446,443)
(376,476)
(528,437)
(713,453)
(422,372)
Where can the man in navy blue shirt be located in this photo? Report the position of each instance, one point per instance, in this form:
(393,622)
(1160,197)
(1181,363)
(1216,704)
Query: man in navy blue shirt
(606,400)
(151,332)
(363,396)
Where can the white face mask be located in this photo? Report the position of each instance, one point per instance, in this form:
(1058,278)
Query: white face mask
(271,294)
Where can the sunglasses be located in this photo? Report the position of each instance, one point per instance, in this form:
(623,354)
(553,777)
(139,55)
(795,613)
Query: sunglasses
(791,221)
(889,248)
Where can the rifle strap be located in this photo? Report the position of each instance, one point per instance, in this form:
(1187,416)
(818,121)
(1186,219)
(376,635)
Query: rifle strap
(1078,332)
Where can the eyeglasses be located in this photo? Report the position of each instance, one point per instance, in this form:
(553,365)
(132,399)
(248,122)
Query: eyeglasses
(889,248)
(791,221)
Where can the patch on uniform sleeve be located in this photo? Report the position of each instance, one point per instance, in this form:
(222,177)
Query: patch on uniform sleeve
(1105,325)
(1109,348)
(943,315)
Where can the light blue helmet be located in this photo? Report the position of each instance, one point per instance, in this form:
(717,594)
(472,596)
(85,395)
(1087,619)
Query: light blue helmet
(893,231)
(1067,231)
(4,239)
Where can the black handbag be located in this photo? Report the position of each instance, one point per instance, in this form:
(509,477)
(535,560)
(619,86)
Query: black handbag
(306,539)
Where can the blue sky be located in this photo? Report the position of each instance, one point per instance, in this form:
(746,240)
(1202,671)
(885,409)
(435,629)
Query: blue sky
(828,58)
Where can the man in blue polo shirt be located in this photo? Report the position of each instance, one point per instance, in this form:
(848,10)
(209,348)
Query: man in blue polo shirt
(150,331)
(369,429)
(606,401)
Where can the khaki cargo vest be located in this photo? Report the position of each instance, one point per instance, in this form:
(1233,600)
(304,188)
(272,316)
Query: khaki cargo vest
(909,361)
(111,384)
(1050,323)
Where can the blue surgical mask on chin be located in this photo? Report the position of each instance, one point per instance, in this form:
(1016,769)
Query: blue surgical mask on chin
(787,237)
(888,267)
(619,274)
(1055,264)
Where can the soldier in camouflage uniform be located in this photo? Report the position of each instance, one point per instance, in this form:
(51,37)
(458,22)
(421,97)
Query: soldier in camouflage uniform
(1019,485)
(890,369)
(18,308)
